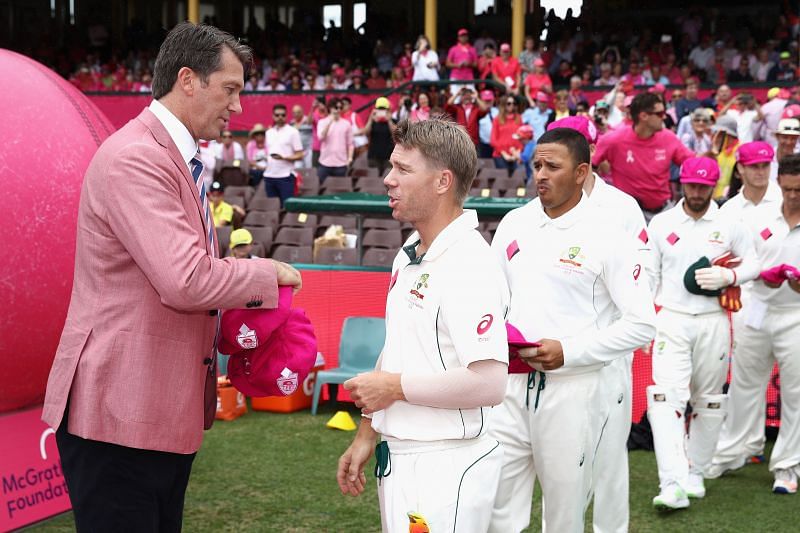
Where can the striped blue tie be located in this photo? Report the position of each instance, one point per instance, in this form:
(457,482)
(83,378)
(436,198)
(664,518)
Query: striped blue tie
(197,172)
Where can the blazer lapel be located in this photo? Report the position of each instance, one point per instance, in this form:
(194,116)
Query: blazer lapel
(163,138)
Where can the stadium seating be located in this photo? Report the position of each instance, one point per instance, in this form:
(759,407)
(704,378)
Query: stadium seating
(360,345)
(378,257)
(262,235)
(261,218)
(232,176)
(298,220)
(295,236)
(262,203)
(224,238)
(383,238)
(381,223)
(244,191)
(292,254)
(336,184)
(337,256)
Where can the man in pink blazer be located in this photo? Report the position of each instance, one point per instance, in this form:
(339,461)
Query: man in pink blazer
(133,382)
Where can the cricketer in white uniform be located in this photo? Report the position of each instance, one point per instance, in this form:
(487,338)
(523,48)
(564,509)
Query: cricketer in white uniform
(690,354)
(578,288)
(771,332)
(445,360)
(742,437)
(610,468)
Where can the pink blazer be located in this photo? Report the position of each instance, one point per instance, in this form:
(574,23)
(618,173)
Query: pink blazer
(134,354)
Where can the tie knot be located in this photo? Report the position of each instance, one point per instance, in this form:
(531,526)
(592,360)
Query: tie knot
(197,168)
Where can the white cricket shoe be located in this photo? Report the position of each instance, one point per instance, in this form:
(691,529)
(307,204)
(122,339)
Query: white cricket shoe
(785,481)
(716,470)
(672,497)
(694,486)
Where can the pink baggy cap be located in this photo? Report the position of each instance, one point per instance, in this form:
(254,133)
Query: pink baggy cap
(487,95)
(780,273)
(700,170)
(754,152)
(515,364)
(582,125)
(284,348)
(542,96)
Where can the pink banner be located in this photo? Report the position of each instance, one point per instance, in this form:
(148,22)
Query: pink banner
(120,108)
(30,471)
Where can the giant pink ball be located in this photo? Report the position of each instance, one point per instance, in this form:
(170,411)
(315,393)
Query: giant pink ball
(49,133)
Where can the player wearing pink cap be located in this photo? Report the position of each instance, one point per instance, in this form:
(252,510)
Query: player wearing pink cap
(610,468)
(742,436)
(690,354)
(445,360)
(577,287)
(768,331)
(638,158)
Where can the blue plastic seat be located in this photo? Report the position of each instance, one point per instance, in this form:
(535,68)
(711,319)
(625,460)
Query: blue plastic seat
(360,346)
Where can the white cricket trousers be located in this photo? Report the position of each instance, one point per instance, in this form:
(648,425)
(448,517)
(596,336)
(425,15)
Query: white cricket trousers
(757,350)
(690,363)
(610,474)
(451,484)
(554,442)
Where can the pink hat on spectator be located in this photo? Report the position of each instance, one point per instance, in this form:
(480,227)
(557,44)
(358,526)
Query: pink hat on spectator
(754,152)
(658,88)
(463,31)
(404,62)
(538,62)
(542,96)
(524,132)
(487,95)
(357,74)
(582,125)
(338,72)
(274,76)
(791,111)
(272,350)
(700,170)
(505,47)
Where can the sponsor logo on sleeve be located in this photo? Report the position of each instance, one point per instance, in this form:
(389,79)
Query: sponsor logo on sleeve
(637,271)
(485,324)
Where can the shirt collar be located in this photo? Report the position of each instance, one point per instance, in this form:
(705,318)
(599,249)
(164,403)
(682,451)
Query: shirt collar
(180,135)
(710,214)
(566,220)
(466,222)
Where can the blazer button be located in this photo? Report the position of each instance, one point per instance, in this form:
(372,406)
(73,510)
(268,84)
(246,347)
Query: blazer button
(249,304)
(213,312)
(207,361)
(257,303)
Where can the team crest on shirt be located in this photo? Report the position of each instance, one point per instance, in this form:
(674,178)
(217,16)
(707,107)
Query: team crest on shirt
(572,259)
(715,238)
(416,294)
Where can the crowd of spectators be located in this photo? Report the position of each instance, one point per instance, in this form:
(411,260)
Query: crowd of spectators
(700,44)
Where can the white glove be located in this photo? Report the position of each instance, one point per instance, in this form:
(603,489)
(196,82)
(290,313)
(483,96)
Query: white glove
(713,278)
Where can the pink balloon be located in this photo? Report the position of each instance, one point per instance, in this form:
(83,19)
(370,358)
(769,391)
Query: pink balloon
(50,132)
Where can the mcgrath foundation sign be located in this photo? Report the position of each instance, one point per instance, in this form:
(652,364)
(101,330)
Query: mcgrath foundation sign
(32,485)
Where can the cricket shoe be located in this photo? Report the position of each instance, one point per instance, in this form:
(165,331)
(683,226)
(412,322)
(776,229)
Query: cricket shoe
(694,486)
(757,459)
(716,470)
(785,481)
(672,497)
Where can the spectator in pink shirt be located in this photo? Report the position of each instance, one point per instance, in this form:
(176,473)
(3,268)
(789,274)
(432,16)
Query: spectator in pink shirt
(336,142)
(461,59)
(422,111)
(318,111)
(506,69)
(639,157)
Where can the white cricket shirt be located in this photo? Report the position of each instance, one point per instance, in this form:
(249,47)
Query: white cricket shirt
(775,243)
(575,279)
(739,206)
(445,309)
(677,241)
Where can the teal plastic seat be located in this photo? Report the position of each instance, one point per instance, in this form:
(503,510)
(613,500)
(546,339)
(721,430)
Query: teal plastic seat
(360,346)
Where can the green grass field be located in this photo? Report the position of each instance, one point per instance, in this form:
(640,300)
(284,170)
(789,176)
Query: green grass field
(274,472)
